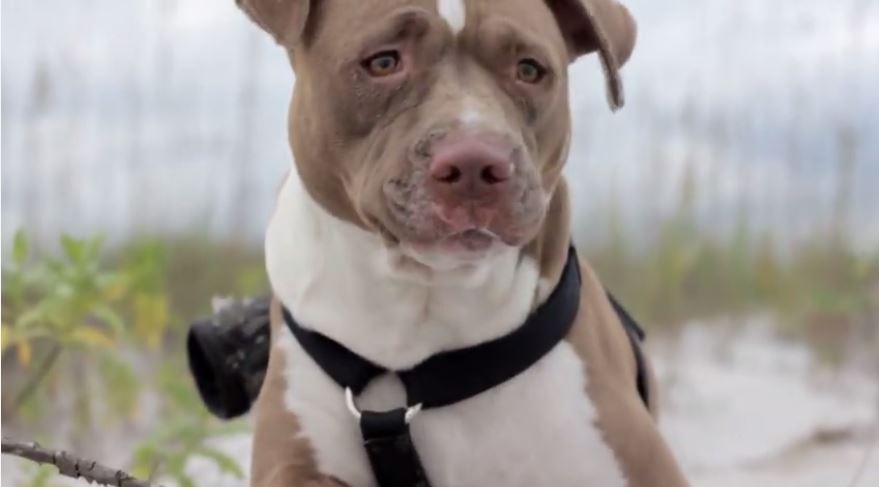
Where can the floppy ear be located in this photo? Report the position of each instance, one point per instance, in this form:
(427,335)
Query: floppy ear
(285,20)
(598,25)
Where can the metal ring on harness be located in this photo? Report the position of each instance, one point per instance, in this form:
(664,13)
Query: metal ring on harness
(411,411)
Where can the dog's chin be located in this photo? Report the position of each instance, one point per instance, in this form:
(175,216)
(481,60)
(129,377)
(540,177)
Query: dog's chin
(454,251)
(461,258)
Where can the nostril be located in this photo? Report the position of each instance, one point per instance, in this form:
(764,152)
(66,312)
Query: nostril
(449,174)
(494,173)
(467,164)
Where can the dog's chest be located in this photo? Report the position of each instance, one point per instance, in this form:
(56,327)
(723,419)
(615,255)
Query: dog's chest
(536,429)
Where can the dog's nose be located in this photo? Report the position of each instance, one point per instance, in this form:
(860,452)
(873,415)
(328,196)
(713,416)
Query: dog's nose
(470,168)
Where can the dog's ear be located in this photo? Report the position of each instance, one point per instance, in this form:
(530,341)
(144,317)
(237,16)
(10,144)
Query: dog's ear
(285,20)
(598,25)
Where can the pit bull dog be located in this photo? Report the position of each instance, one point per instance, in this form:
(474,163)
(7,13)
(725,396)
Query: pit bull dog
(426,213)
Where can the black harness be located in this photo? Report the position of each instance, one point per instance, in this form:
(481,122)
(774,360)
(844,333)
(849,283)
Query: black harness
(453,376)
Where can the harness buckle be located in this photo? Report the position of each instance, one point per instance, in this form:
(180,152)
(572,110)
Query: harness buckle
(388,444)
(410,414)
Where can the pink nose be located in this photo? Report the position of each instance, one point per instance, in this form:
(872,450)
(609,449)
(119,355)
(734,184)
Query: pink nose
(466,168)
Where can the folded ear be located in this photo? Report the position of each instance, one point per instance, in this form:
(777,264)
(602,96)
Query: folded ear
(285,20)
(598,25)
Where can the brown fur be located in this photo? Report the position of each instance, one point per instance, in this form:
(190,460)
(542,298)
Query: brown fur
(609,363)
(364,133)
(351,136)
(288,461)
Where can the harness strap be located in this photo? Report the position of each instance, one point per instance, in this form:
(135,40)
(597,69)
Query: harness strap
(455,375)
(389,447)
(452,376)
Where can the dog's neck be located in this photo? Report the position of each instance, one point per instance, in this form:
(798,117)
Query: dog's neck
(344,282)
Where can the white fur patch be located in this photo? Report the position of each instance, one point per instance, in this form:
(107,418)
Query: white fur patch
(471,117)
(477,114)
(536,429)
(454,12)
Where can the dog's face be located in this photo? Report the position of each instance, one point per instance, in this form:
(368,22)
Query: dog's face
(441,125)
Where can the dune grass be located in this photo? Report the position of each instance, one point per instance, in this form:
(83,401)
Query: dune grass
(821,290)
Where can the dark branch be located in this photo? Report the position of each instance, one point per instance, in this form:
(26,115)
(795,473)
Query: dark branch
(71,465)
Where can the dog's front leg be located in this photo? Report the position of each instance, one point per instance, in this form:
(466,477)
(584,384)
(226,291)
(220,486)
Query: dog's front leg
(282,455)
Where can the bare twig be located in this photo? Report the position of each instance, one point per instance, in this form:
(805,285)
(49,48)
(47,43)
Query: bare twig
(71,465)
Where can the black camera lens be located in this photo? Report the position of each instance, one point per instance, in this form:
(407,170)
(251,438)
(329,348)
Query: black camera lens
(228,355)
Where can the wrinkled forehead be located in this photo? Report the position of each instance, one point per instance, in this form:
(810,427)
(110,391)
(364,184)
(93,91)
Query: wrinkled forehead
(345,22)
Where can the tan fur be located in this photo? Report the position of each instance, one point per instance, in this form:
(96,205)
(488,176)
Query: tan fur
(281,456)
(630,429)
(550,248)
(350,137)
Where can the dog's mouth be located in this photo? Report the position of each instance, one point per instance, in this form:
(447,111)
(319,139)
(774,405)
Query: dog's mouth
(440,248)
(422,227)
(474,239)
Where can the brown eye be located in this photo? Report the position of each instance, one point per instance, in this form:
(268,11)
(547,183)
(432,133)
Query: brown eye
(530,71)
(382,64)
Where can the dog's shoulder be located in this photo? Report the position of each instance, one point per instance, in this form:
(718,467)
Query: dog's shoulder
(600,338)
(282,455)
(611,367)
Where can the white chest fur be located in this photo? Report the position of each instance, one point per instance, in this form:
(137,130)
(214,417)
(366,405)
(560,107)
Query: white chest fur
(534,430)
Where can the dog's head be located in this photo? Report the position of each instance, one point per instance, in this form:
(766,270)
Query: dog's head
(441,125)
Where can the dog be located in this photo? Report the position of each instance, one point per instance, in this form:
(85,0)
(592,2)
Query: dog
(426,212)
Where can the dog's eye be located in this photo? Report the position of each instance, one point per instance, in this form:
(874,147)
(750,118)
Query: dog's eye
(382,64)
(530,71)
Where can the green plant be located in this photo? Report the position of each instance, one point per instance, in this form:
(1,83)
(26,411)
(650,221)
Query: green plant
(70,308)
(78,327)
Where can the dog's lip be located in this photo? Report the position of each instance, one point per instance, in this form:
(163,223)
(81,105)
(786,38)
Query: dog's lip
(470,240)
(394,235)
(452,251)
(473,232)
(473,239)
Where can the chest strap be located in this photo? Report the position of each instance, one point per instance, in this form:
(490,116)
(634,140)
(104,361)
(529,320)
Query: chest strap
(449,377)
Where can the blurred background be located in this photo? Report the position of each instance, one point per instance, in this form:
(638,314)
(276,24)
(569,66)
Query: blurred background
(732,205)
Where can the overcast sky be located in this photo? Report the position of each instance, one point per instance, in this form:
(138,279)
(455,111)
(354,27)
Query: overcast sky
(122,117)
